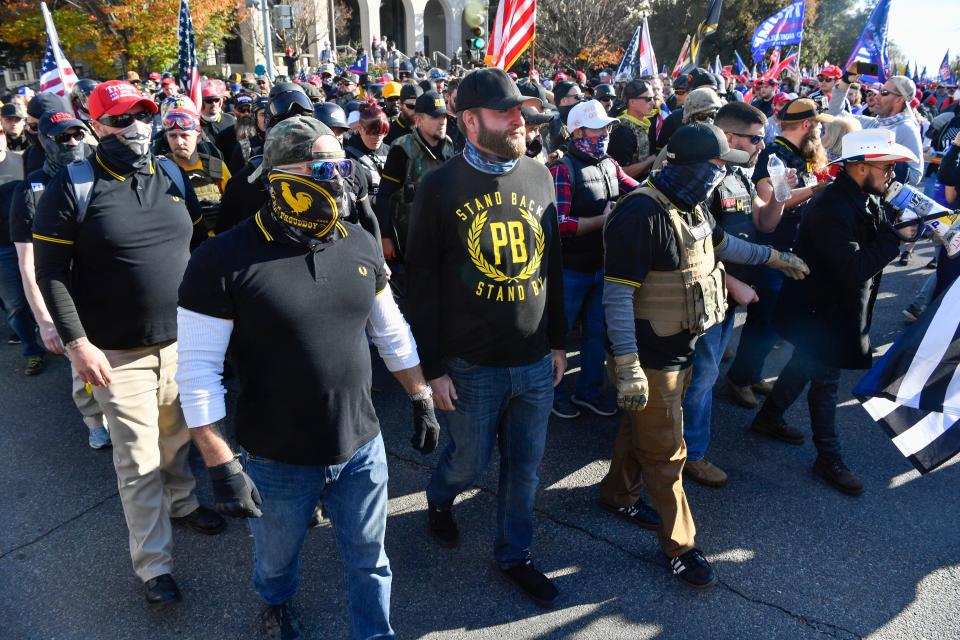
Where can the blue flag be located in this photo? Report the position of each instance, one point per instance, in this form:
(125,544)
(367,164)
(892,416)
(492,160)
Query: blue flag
(628,65)
(741,67)
(872,44)
(783,27)
(946,73)
(359,66)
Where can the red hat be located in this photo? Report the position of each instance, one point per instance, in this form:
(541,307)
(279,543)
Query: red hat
(831,71)
(114,97)
(211,90)
(560,77)
(154,75)
(581,77)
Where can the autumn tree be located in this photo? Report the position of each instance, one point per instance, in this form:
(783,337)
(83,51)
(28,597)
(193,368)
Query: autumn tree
(566,28)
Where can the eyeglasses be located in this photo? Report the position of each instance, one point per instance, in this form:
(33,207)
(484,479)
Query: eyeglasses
(67,137)
(409,105)
(680,92)
(211,100)
(182,121)
(885,169)
(124,120)
(885,92)
(322,170)
(754,139)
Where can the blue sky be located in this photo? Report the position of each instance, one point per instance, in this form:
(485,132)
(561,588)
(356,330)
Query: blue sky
(925,29)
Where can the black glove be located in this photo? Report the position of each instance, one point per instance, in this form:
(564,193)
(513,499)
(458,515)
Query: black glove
(233,491)
(426,429)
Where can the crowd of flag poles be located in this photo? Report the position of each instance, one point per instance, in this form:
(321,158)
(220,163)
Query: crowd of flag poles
(914,390)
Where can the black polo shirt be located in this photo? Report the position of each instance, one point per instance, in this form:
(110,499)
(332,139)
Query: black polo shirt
(113,277)
(11,173)
(639,238)
(299,341)
(784,236)
(24,206)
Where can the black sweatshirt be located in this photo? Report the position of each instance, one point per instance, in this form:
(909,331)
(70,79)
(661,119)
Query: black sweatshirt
(113,277)
(485,272)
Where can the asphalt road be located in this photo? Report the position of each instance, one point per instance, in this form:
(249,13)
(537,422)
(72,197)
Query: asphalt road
(795,558)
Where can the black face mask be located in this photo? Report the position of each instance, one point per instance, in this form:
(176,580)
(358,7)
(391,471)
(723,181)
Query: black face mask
(304,206)
(129,147)
(59,155)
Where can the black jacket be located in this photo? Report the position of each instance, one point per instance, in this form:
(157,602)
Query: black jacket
(846,243)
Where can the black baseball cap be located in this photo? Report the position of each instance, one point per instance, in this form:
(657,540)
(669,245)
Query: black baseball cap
(490,88)
(702,142)
(561,89)
(529,88)
(13,110)
(410,92)
(431,103)
(43,102)
(532,116)
(700,77)
(53,123)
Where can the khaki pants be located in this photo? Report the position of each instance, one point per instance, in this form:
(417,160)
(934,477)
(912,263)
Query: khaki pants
(150,449)
(650,447)
(86,403)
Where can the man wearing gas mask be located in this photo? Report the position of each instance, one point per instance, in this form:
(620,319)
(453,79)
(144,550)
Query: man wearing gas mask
(62,138)
(319,286)
(112,237)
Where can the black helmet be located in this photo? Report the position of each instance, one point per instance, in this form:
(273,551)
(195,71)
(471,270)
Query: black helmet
(288,99)
(81,93)
(604,91)
(330,114)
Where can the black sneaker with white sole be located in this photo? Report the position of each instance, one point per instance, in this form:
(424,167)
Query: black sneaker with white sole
(599,406)
(639,513)
(693,569)
(442,526)
(533,583)
(562,408)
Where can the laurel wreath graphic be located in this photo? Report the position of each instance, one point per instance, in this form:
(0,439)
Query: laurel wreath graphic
(487,269)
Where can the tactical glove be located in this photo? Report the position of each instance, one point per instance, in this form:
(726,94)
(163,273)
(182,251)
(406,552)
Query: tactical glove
(233,491)
(632,388)
(790,264)
(426,429)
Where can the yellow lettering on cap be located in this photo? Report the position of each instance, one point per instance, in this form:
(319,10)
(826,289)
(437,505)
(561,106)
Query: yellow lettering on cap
(438,102)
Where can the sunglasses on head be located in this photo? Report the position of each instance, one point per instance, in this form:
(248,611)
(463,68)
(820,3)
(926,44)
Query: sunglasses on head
(67,137)
(754,139)
(124,120)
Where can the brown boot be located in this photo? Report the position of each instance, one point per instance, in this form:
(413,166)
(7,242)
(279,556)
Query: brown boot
(775,428)
(704,472)
(743,396)
(764,387)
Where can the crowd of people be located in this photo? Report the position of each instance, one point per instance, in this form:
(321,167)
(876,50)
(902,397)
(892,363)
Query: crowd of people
(472,227)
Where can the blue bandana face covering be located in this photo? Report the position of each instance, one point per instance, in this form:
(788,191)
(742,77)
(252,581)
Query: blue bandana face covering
(593,147)
(486,162)
(689,184)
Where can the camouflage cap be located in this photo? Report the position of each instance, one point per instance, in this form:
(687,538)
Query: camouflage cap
(291,141)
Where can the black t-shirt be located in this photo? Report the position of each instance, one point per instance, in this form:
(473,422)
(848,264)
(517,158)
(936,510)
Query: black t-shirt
(640,238)
(114,276)
(24,206)
(784,236)
(299,339)
(485,280)
(11,173)
(241,198)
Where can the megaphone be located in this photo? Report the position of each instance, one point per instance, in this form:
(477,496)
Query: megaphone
(925,214)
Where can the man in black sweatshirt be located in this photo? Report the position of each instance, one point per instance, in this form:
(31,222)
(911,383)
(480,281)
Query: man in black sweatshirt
(486,307)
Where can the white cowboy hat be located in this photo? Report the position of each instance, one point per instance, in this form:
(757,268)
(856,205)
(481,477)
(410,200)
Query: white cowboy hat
(873,145)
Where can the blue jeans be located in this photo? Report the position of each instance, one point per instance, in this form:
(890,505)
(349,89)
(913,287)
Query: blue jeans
(354,497)
(698,402)
(583,298)
(19,316)
(759,335)
(505,407)
(824,383)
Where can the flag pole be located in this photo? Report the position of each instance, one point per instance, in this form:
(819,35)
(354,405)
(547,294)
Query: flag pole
(55,42)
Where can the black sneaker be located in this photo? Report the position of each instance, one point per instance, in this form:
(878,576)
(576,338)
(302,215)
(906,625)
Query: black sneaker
(442,526)
(693,569)
(281,622)
(775,428)
(562,408)
(599,407)
(161,592)
(912,314)
(904,258)
(932,264)
(640,513)
(534,584)
(837,475)
(14,339)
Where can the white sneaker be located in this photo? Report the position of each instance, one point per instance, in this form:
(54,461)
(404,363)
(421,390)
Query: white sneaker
(99,438)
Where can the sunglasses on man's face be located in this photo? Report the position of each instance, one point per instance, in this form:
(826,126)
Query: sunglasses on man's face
(243,108)
(607,99)
(824,79)
(322,170)
(67,137)
(210,100)
(885,92)
(124,120)
(680,92)
(754,139)
(409,105)
(644,98)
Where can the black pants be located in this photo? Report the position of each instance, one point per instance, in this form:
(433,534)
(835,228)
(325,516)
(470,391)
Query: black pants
(824,382)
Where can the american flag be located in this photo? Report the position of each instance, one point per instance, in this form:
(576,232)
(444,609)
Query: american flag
(513,31)
(913,392)
(56,74)
(187,64)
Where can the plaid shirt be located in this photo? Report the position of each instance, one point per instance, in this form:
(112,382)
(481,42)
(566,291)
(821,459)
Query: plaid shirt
(561,183)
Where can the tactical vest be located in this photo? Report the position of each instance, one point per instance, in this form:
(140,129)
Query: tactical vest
(734,204)
(206,184)
(372,166)
(420,162)
(692,298)
(643,138)
(592,185)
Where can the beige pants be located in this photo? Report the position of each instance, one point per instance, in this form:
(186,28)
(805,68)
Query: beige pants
(150,448)
(650,447)
(86,404)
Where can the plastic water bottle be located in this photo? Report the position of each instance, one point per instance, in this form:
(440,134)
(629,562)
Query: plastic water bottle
(778,178)
(913,204)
